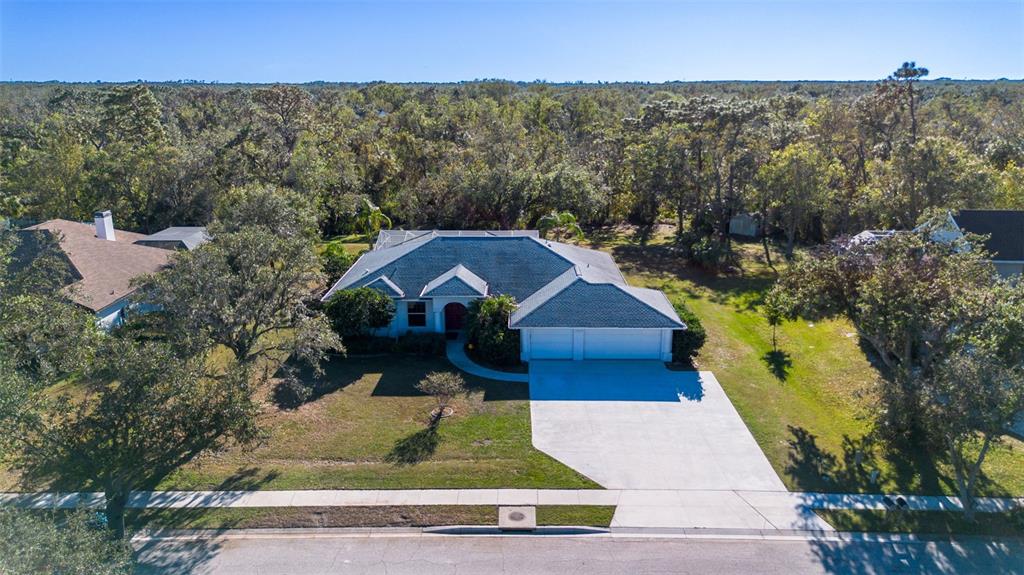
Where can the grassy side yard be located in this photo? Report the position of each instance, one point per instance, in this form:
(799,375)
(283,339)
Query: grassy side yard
(369,429)
(808,405)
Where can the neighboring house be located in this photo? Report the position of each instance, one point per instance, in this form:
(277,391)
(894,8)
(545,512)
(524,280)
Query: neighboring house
(104,261)
(1005,229)
(868,237)
(176,238)
(573,302)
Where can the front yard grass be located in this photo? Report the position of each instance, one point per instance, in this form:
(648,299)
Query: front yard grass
(808,405)
(370,430)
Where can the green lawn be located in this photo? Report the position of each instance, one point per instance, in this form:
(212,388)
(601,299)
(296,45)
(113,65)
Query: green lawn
(356,516)
(927,522)
(809,405)
(370,430)
(394,516)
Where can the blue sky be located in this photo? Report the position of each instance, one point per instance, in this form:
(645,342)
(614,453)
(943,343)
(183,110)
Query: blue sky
(267,41)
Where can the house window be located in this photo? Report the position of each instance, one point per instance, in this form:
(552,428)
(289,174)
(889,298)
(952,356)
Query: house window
(417,314)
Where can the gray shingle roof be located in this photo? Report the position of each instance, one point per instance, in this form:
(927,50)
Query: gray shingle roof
(557,285)
(188,236)
(392,238)
(517,266)
(1006,228)
(573,300)
(387,286)
(457,281)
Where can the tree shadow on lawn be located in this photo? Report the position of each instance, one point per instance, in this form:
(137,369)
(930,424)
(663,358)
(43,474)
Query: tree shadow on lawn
(907,468)
(399,376)
(415,448)
(191,556)
(779,363)
(338,373)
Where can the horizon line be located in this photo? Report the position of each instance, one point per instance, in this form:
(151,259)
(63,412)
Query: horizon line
(493,80)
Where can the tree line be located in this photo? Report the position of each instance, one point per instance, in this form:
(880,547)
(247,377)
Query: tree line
(819,160)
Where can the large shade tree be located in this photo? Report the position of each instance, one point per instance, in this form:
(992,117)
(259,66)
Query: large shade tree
(148,411)
(905,295)
(253,288)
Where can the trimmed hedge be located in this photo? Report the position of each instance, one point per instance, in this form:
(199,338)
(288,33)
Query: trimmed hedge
(686,343)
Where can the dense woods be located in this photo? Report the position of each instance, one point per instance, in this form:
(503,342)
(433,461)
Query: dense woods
(821,159)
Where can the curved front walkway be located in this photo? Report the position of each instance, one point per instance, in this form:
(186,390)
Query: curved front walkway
(457,355)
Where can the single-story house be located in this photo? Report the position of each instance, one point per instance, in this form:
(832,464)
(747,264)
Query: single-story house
(573,302)
(105,260)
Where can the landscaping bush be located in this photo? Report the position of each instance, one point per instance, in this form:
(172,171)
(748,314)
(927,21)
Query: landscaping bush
(290,393)
(443,386)
(355,312)
(368,345)
(488,334)
(336,260)
(427,344)
(686,343)
(705,251)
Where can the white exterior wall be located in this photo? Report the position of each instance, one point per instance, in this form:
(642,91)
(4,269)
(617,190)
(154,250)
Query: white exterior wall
(399,325)
(110,316)
(114,314)
(594,343)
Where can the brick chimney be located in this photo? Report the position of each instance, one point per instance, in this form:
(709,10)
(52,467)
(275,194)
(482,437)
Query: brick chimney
(104,225)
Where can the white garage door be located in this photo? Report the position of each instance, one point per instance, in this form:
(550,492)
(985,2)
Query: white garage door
(551,344)
(622,344)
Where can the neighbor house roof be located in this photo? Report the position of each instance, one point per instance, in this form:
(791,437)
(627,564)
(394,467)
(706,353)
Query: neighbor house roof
(1005,228)
(189,237)
(457,281)
(105,267)
(556,284)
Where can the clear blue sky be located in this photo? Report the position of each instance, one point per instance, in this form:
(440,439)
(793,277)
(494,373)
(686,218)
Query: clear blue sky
(267,41)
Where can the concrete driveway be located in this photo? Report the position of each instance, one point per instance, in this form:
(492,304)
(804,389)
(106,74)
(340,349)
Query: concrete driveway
(637,425)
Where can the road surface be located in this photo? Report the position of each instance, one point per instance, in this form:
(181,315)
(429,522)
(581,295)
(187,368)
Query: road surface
(282,554)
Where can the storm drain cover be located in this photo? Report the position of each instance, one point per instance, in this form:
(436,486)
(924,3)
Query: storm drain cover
(522,518)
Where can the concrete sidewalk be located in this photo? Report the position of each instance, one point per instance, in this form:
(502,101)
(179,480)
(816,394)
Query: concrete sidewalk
(457,355)
(659,509)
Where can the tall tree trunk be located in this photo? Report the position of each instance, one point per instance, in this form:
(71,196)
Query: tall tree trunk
(967,474)
(790,237)
(767,250)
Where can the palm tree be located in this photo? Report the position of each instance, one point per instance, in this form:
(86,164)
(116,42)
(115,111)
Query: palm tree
(563,224)
(371,219)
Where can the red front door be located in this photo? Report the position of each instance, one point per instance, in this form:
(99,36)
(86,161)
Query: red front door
(454,316)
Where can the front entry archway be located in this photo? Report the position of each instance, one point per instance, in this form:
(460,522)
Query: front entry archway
(454,318)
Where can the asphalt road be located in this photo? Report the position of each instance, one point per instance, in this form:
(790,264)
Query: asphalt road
(566,556)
